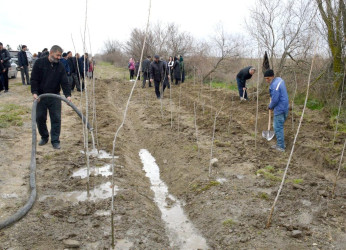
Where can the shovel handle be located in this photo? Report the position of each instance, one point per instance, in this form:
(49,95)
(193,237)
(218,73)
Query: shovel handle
(270,116)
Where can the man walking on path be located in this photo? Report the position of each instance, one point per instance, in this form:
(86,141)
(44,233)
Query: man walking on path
(71,64)
(157,74)
(279,103)
(67,67)
(242,76)
(5,60)
(23,63)
(145,71)
(49,76)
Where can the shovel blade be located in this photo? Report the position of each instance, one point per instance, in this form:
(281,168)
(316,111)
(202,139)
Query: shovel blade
(268,135)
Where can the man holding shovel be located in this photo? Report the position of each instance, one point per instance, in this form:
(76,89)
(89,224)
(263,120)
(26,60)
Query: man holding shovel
(242,76)
(279,103)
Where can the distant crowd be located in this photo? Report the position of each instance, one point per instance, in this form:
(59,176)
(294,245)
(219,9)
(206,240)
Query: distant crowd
(76,67)
(159,71)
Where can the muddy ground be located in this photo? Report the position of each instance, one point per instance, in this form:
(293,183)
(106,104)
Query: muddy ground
(229,208)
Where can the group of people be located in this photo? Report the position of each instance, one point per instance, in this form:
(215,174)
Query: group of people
(158,71)
(278,100)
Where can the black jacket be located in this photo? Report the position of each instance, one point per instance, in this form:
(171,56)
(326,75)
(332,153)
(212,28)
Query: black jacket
(5,56)
(47,77)
(244,74)
(146,65)
(71,65)
(158,71)
(22,59)
(177,70)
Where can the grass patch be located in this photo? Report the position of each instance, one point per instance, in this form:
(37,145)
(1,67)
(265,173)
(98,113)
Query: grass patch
(298,181)
(268,173)
(312,103)
(228,223)
(200,187)
(104,63)
(11,115)
(18,84)
(263,196)
(224,85)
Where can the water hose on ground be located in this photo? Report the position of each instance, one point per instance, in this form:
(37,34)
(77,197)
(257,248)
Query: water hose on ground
(24,210)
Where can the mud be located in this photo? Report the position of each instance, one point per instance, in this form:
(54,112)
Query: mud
(229,209)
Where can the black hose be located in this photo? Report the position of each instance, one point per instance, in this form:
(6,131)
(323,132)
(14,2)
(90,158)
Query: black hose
(23,210)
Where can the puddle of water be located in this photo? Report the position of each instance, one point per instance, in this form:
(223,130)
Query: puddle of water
(123,244)
(103,171)
(9,196)
(103,213)
(221,180)
(101,192)
(101,154)
(182,233)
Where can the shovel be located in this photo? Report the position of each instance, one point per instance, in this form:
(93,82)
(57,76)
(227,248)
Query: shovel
(268,134)
(243,98)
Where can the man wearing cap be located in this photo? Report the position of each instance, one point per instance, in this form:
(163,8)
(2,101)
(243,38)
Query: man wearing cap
(279,103)
(242,76)
(158,72)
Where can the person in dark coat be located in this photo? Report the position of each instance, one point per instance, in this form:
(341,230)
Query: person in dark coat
(5,58)
(145,71)
(49,76)
(176,71)
(242,76)
(71,64)
(23,64)
(166,76)
(83,67)
(44,53)
(2,70)
(75,60)
(182,69)
(158,72)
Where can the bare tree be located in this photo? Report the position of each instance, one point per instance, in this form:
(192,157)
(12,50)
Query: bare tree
(223,46)
(333,14)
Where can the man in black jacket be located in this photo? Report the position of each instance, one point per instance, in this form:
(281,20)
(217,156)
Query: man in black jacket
(23,63)
(49,76)
(5,60)
(145,71)
(158,72)
(242,76)
(72,70)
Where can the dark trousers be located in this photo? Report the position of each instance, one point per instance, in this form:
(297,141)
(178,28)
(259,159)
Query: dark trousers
(182,76)
(75,81)
(145,78)
(5,79)
(241,85)
(177,81)
(25,71)
(157,88)
(132,73)
(54,107)
(166,83)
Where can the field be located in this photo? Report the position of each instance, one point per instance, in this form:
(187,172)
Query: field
(228,210)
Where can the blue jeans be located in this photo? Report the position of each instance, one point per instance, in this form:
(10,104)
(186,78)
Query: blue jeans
(241,85)
(278,124)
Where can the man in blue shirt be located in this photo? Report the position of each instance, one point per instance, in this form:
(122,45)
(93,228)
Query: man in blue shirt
(279,103)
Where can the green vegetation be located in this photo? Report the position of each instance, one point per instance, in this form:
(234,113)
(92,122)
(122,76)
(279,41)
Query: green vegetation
(228,223)
(104,63)
(263,196)
(298,181)
(312,103)
(223,85)
(200,187)
(268,173)
(18,84)
(11,115)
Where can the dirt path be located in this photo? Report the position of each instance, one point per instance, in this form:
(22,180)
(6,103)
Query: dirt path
(229,209)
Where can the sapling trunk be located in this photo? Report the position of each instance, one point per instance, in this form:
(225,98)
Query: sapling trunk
(195,115)
(121,126)
(217,113)
(294,96)
(294,143)
(179,110)
(257,97)
(338,172)
(340,103)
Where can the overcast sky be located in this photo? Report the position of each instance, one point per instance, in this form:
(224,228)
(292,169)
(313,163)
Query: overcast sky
(43,23)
